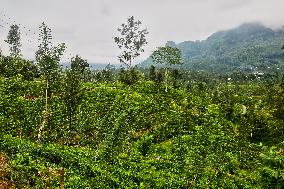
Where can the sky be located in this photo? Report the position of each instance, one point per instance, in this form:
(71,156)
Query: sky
(87,27)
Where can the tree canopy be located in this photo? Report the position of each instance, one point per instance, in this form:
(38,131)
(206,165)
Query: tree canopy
(131,41)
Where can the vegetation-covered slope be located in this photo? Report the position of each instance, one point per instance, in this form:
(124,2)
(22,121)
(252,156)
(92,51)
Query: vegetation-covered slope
(142,137)
(249,47)
(136,128)
(139,137)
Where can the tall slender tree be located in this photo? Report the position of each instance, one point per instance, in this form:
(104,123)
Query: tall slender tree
(131,41)
(48,58)
(14,40)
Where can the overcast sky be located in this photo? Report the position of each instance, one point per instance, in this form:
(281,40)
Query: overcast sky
(88,26)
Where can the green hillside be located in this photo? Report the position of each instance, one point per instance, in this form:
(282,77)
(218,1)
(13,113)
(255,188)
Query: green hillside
(145,128)
(249,47)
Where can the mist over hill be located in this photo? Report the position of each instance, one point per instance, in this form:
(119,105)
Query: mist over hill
(249,47)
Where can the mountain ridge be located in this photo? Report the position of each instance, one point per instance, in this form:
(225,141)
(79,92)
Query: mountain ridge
(249,45)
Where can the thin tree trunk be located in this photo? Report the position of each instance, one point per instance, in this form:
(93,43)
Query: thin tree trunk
(45,113)
(166,79)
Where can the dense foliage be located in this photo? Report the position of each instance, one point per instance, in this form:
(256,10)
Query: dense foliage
(118,128)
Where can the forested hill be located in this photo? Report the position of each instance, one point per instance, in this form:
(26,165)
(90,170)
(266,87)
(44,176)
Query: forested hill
(250,47)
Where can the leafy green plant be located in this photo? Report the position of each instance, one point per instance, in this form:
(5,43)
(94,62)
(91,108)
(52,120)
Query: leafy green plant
(272,168)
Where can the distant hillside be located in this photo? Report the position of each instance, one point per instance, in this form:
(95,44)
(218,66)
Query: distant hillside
(248,47)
